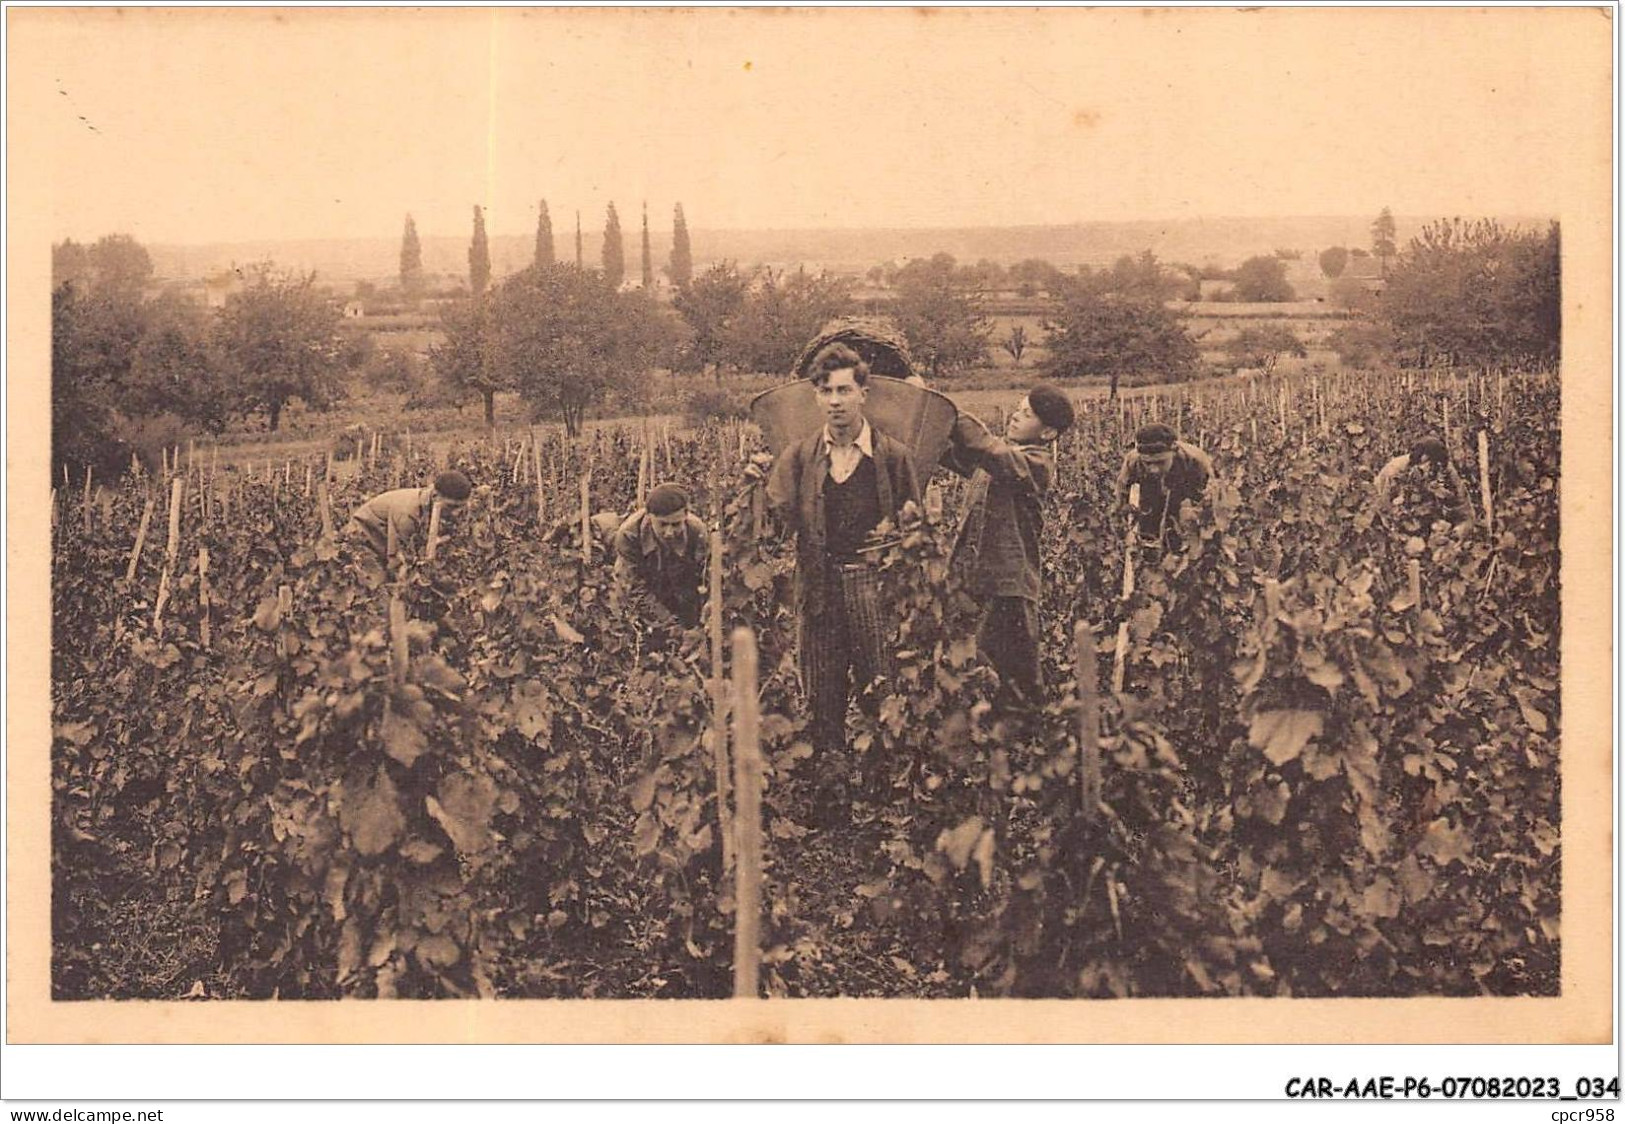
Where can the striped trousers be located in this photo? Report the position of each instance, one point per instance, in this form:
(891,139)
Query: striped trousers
(842,651)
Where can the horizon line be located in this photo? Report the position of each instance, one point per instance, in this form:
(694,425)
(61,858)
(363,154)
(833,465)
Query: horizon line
(1324,216)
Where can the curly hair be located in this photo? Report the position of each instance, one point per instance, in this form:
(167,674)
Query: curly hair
(838,357)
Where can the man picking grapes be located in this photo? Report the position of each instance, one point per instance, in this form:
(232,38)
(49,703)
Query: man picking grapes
(1158,475)
(997,549)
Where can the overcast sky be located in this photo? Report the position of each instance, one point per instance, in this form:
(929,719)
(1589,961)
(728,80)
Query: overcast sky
(212,125)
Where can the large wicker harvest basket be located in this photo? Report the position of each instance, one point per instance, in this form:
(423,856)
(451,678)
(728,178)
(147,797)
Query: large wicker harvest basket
(921,419)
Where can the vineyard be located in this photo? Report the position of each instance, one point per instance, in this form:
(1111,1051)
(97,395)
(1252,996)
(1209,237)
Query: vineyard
(1314,753)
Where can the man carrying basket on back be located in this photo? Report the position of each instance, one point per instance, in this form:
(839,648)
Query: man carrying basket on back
(832,489)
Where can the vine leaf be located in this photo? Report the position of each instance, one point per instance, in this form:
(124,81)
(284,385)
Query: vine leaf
(374,818)
(1282,734)
(402,739)
(466,802)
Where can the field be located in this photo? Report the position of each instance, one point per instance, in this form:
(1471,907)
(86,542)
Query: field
(1327,742)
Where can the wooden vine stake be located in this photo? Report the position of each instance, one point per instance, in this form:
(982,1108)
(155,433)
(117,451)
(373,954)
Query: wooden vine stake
(391,539)
(1083,647)
(434,530)
(203,595)
(748,791)
(586,518)
(719,706)
(140,538)
(1484,479)
(177,493)
(284,606)
(1120,659)
(399,653)
(643,467)
(541,489)
(308,474)
(327,510)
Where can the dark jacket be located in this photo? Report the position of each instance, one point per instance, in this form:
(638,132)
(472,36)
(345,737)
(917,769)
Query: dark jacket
(998,539)
(1160,497)
(795,491)
(671,577)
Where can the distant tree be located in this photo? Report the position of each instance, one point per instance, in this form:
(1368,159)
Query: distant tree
(479,257)
(681,268)
(940,315)
(1362,344)
(986,275)
(1185,280)
(462,357)
(115,266)
(1262,279)
(1142,278)
(566,340)
(70,264)
(648,260)
(1350,294)
(411,261)
(580,262)
(709,305)
(1015,343)
(1476,294)
(544,236)
(1033,276)
(614,255)
(1263,347)
(1094,332)
(280,340)
(780,314)
(1333,261)
(93,340)
(174,368)
(1382,239)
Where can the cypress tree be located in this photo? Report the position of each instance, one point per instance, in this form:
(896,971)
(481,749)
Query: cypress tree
(578,239)
(614,249)
(479,257)
(648,264)
(544,237)
(682,257)
(411,260)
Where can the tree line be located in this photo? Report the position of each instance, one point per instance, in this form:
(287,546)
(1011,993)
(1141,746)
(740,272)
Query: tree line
(133,370)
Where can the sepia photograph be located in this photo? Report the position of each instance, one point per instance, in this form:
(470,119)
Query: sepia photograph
(928,507)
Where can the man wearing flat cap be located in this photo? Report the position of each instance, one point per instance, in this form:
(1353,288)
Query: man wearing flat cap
(661,552)
(1425,471)
(408,509)
(997,550)
(1168,472)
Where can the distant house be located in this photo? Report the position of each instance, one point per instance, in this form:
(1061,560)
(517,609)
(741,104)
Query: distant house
(354,310)
(218,287)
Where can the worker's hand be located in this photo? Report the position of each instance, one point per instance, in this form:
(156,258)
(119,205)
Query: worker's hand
(917,380)
(757,467)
